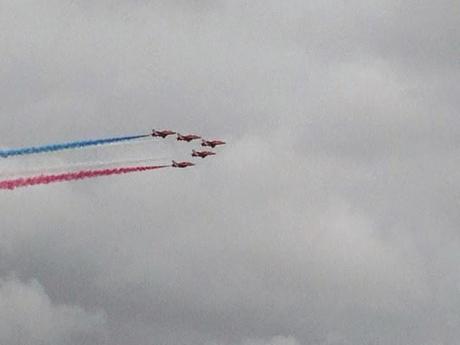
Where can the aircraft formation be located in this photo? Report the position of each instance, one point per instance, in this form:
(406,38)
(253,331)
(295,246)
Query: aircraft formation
(188,138)
(92,171)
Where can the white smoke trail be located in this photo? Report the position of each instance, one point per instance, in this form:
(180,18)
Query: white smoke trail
(66,166)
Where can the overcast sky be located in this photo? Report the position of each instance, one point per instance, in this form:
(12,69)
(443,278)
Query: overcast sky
(330,218)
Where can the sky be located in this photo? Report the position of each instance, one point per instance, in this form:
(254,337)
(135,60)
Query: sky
(330,217)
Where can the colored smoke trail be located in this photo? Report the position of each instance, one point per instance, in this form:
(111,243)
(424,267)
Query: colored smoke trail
(72,176)
(64,146)
(91,164)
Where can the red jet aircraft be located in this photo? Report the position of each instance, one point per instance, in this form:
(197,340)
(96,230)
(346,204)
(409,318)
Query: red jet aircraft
(212,143)
(181,164)
(188,138)
(202,154)
(162,134)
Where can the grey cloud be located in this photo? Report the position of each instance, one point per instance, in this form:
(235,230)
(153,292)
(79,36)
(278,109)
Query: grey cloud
(278,340)
(329,218)
(29,317)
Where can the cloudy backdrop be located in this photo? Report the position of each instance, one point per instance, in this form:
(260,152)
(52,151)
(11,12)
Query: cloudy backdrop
(330,218)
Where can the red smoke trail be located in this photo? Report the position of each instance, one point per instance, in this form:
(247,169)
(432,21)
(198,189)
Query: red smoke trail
(72,176)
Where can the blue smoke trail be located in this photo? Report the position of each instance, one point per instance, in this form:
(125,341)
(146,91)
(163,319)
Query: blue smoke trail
(65,146)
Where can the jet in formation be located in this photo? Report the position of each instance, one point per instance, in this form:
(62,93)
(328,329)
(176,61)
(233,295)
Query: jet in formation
(163,134)
(188,137)
(182,164)
(212,143)
(202,154)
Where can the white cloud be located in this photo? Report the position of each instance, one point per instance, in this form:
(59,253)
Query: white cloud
(278,340)
(28,317)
